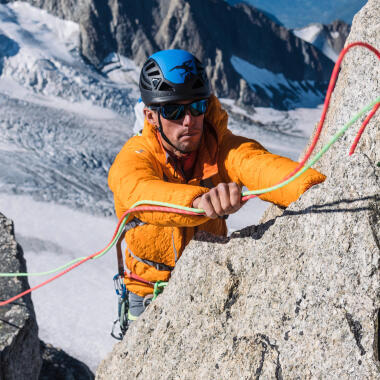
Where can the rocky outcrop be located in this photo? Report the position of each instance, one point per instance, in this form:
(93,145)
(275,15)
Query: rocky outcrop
(338,33)
(19,344)
(22,355)
(294,297)
(57,364)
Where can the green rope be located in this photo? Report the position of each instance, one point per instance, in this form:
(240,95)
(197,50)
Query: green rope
(73,261)
(156,203)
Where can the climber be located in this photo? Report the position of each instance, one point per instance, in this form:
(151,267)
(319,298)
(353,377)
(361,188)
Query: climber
(186,156)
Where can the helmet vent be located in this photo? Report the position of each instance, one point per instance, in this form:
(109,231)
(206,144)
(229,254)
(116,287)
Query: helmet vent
(165,87)
(150,66)
(144,86)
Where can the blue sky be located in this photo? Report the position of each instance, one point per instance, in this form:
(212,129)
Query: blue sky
(299,13)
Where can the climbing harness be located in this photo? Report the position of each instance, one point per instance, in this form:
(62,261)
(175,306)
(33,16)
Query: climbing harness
(122,292)
(146,205)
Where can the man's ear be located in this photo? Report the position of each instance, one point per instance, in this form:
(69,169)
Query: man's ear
(150,116)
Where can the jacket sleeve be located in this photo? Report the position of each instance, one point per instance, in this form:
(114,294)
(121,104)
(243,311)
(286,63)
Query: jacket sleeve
(135,176)
(248,163)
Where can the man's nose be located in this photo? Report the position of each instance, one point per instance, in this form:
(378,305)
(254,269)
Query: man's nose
(188,120)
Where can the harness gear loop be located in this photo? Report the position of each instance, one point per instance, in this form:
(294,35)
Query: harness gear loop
(121,292)
(123,306)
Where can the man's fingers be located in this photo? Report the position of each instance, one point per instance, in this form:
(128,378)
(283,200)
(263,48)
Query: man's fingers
(223,199)
(230,197)
(235,196)
(215,201)
(207,205)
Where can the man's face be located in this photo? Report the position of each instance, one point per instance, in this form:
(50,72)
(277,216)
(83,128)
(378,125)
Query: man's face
(185,134)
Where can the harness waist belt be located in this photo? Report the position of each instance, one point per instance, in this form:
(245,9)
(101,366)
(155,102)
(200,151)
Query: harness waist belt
(158,266)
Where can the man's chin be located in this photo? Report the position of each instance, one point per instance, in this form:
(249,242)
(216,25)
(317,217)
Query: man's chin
(188,148)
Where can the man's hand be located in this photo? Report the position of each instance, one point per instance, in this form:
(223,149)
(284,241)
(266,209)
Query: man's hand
(221,200)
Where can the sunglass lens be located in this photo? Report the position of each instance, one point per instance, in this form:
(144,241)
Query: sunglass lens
(177,111)
(172,111)
(199,107)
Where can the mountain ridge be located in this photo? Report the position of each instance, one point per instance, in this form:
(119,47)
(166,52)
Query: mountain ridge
(214,31)
(329,39)
(137,34)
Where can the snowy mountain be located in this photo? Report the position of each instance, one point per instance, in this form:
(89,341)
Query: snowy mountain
(298,13)
(61,124)
(216,33)
(329,39)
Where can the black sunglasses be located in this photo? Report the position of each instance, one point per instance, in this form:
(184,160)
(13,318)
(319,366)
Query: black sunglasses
(178,111)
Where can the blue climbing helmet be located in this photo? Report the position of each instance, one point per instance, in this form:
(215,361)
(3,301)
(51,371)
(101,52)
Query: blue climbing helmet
(173,75)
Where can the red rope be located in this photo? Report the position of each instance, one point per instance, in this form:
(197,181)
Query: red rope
(169,209)
(334,77)
(160,208)
(361,130)
(135,209)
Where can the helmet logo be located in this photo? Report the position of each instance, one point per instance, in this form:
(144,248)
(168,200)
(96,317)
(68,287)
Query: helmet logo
(189,69)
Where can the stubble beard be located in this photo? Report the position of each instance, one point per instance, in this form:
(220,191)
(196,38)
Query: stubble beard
(186,148)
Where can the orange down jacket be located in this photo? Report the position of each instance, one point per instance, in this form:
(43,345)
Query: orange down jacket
(143,171)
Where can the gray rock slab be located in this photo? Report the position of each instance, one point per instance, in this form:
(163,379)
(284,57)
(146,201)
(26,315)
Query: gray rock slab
(57,364)
(19,345)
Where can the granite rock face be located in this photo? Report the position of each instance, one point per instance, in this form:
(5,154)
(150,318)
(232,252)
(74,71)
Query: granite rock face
(296,297)
(19,344)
